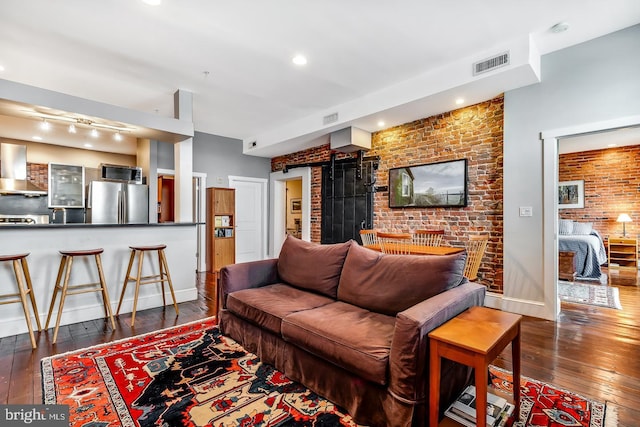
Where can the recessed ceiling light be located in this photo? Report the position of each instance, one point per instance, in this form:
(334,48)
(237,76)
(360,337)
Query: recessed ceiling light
(459,101)
(612,145)
(380,123)
(117,136)
(299,60)
(37,138)
(94,133)
(560,27)
(88,145)
(1,68)
(45,125)
(152,2)
(72,128)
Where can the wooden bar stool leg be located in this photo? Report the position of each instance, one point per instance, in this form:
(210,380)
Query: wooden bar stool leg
(162,276)
(166,268)
(23,300)
(126,280)
(27,275)
(56,289)
(137,291)
(105,295)
(62,298)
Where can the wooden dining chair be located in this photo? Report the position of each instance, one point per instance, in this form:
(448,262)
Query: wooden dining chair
(428,237)
(476,245)
(368,237)
(395,243)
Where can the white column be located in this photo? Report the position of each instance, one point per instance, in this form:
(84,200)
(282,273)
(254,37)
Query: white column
(183,160)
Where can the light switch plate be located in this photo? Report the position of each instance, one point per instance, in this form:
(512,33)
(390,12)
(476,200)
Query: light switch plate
(526,211)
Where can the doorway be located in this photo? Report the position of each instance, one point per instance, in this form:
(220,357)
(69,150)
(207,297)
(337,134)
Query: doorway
(550,139)
(277,207)
(347,200)
(166,207)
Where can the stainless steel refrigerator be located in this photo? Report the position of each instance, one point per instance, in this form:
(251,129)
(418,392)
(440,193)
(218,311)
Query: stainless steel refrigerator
(117,203)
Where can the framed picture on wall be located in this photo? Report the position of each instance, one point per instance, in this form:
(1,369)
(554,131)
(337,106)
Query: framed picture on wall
(442,184)
(571,194)
(296,206)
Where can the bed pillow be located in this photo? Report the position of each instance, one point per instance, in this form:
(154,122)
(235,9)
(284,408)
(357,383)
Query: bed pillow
(582,228)
(565,226)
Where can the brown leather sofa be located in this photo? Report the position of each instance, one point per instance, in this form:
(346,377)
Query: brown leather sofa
(351,324)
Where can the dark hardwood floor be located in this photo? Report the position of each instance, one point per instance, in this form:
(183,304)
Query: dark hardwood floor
(589,350)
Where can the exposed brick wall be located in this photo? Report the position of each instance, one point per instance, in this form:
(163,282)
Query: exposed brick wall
(38,173)
(474,133)
(611,187)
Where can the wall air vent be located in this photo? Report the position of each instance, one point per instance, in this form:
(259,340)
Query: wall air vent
(330,118)
(491,64)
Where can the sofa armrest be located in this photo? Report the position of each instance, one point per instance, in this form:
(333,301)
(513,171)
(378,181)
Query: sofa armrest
(246,275)
(409,356)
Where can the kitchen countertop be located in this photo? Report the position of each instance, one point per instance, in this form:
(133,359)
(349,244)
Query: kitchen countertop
(84,225)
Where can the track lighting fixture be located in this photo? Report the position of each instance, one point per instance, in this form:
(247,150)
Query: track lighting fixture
(72,128)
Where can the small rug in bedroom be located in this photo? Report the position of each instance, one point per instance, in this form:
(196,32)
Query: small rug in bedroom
(582,293)
(544,405)
(188,375)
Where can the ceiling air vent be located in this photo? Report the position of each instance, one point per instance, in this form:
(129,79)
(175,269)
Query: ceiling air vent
(490,64)
(330,118)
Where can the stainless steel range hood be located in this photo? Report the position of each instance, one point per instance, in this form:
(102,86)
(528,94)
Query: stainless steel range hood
(13,171)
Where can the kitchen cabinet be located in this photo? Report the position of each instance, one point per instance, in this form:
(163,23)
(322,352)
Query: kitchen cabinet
(220,228)
(66,186)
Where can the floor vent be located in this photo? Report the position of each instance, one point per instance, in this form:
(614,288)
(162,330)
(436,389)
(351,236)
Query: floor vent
(491,64)
(330,118)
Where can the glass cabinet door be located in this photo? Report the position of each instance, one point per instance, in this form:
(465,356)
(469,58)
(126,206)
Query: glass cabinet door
(66,186)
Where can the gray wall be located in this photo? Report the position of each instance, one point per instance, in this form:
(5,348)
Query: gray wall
(595,81)
(218,157)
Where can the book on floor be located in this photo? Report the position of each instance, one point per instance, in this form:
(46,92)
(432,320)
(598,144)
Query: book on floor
(463,409)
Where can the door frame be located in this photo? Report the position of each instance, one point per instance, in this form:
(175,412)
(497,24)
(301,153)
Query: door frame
(200,216)
(265,197)
(551,308)
(278,205)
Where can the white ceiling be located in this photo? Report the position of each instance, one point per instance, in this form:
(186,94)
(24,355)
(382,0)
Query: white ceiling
(235,56)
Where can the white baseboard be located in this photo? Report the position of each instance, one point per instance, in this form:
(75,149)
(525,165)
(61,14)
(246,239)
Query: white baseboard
(17,325)
(515,305)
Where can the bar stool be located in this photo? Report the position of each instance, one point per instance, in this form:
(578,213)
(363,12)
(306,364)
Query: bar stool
(65,269)
(161,278)
(21,269)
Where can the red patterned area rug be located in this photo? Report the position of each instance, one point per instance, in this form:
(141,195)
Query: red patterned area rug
(188,375)
(545,405)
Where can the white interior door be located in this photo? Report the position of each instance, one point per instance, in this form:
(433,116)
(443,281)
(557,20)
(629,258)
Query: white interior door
(251,218)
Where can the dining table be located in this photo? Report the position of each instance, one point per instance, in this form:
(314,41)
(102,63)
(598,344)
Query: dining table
(421,249)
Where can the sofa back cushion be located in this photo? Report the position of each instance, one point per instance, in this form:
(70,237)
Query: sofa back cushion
(312,266)
(390,284)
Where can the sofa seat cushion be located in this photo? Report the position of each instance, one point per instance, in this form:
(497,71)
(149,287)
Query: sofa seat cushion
(312,266)
(268,305)
(353,338)
(390,284)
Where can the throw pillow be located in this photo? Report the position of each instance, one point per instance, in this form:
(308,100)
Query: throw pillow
(312,266)
(390,284)
(582,228)
(565,226)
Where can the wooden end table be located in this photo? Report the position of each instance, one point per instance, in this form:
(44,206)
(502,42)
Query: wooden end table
(474,338)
